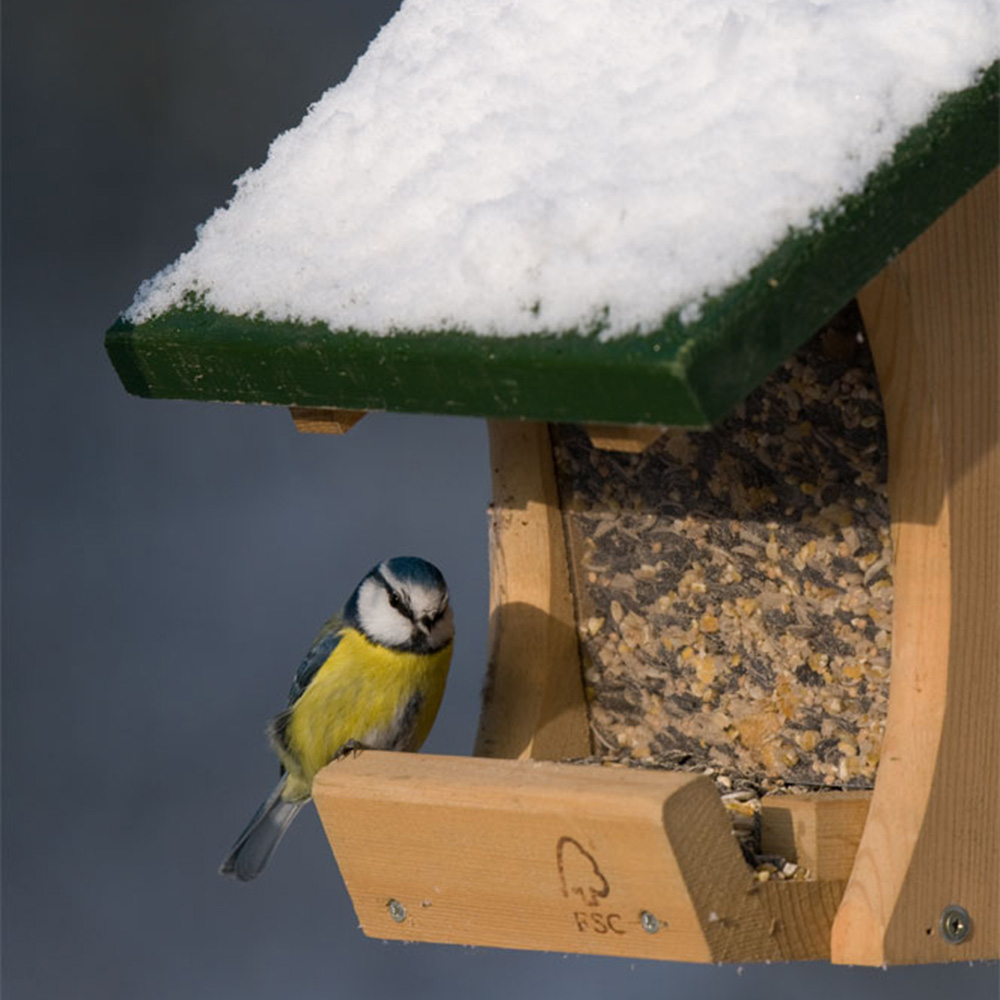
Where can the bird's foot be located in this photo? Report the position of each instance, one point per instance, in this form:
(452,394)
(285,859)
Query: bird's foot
(350,747)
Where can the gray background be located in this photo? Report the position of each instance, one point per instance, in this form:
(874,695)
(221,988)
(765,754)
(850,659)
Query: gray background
(165,564)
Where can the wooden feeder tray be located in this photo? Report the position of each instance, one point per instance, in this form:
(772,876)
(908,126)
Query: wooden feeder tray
(521,851)
(526,845)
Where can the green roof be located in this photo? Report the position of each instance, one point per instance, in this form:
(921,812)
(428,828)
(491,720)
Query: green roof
(682,374)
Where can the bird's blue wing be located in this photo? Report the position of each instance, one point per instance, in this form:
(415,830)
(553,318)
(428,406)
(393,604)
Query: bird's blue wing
(324,644)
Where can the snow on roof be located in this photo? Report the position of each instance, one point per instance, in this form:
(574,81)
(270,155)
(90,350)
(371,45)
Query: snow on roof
(516,166)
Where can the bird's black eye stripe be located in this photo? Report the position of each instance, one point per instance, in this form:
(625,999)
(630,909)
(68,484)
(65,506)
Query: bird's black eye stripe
(398,603)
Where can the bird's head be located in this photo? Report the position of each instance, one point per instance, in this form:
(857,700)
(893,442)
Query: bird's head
(403,604)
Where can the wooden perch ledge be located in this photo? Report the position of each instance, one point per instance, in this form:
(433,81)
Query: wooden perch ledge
(560,857)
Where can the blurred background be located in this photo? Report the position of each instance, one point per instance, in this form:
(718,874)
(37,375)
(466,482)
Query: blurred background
(166,564)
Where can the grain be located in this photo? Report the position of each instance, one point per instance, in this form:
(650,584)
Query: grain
(733,586)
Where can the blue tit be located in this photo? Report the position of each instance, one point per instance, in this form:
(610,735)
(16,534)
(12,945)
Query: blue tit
(373,679)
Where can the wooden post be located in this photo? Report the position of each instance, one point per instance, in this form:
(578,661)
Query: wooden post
(533,703)
(932,839)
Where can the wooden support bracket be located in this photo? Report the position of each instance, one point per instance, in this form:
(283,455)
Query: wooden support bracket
(324,419)
(933,835)
(631,438)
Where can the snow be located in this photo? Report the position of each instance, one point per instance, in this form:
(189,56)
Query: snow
(514,166)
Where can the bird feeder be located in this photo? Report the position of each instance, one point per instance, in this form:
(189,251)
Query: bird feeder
(561,834)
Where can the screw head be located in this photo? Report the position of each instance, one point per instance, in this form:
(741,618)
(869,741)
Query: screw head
(954,924)
(396,910)
(650,922)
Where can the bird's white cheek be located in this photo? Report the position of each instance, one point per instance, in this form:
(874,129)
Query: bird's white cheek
(380,620)
(443,632)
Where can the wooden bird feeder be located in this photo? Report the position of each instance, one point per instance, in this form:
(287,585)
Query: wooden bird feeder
(533,842)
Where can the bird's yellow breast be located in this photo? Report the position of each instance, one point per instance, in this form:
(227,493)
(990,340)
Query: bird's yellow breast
(382,698)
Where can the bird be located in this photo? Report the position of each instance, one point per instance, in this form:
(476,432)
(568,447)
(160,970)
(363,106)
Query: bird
(372,679)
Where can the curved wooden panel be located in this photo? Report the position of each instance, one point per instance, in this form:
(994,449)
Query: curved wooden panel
(932,834)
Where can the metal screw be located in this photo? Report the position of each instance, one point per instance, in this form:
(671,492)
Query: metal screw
(397,911)
(650,922)
(955,924)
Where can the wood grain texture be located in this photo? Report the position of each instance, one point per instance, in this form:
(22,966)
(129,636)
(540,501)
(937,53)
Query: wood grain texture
(547,856)
(819,831)
(324,419)
(533,703)
(932,835)
(633,439)
(801,915)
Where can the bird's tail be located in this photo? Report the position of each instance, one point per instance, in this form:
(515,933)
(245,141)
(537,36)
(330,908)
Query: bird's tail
(257,842)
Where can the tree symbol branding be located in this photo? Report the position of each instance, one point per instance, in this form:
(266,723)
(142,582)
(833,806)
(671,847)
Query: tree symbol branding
(579,872)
